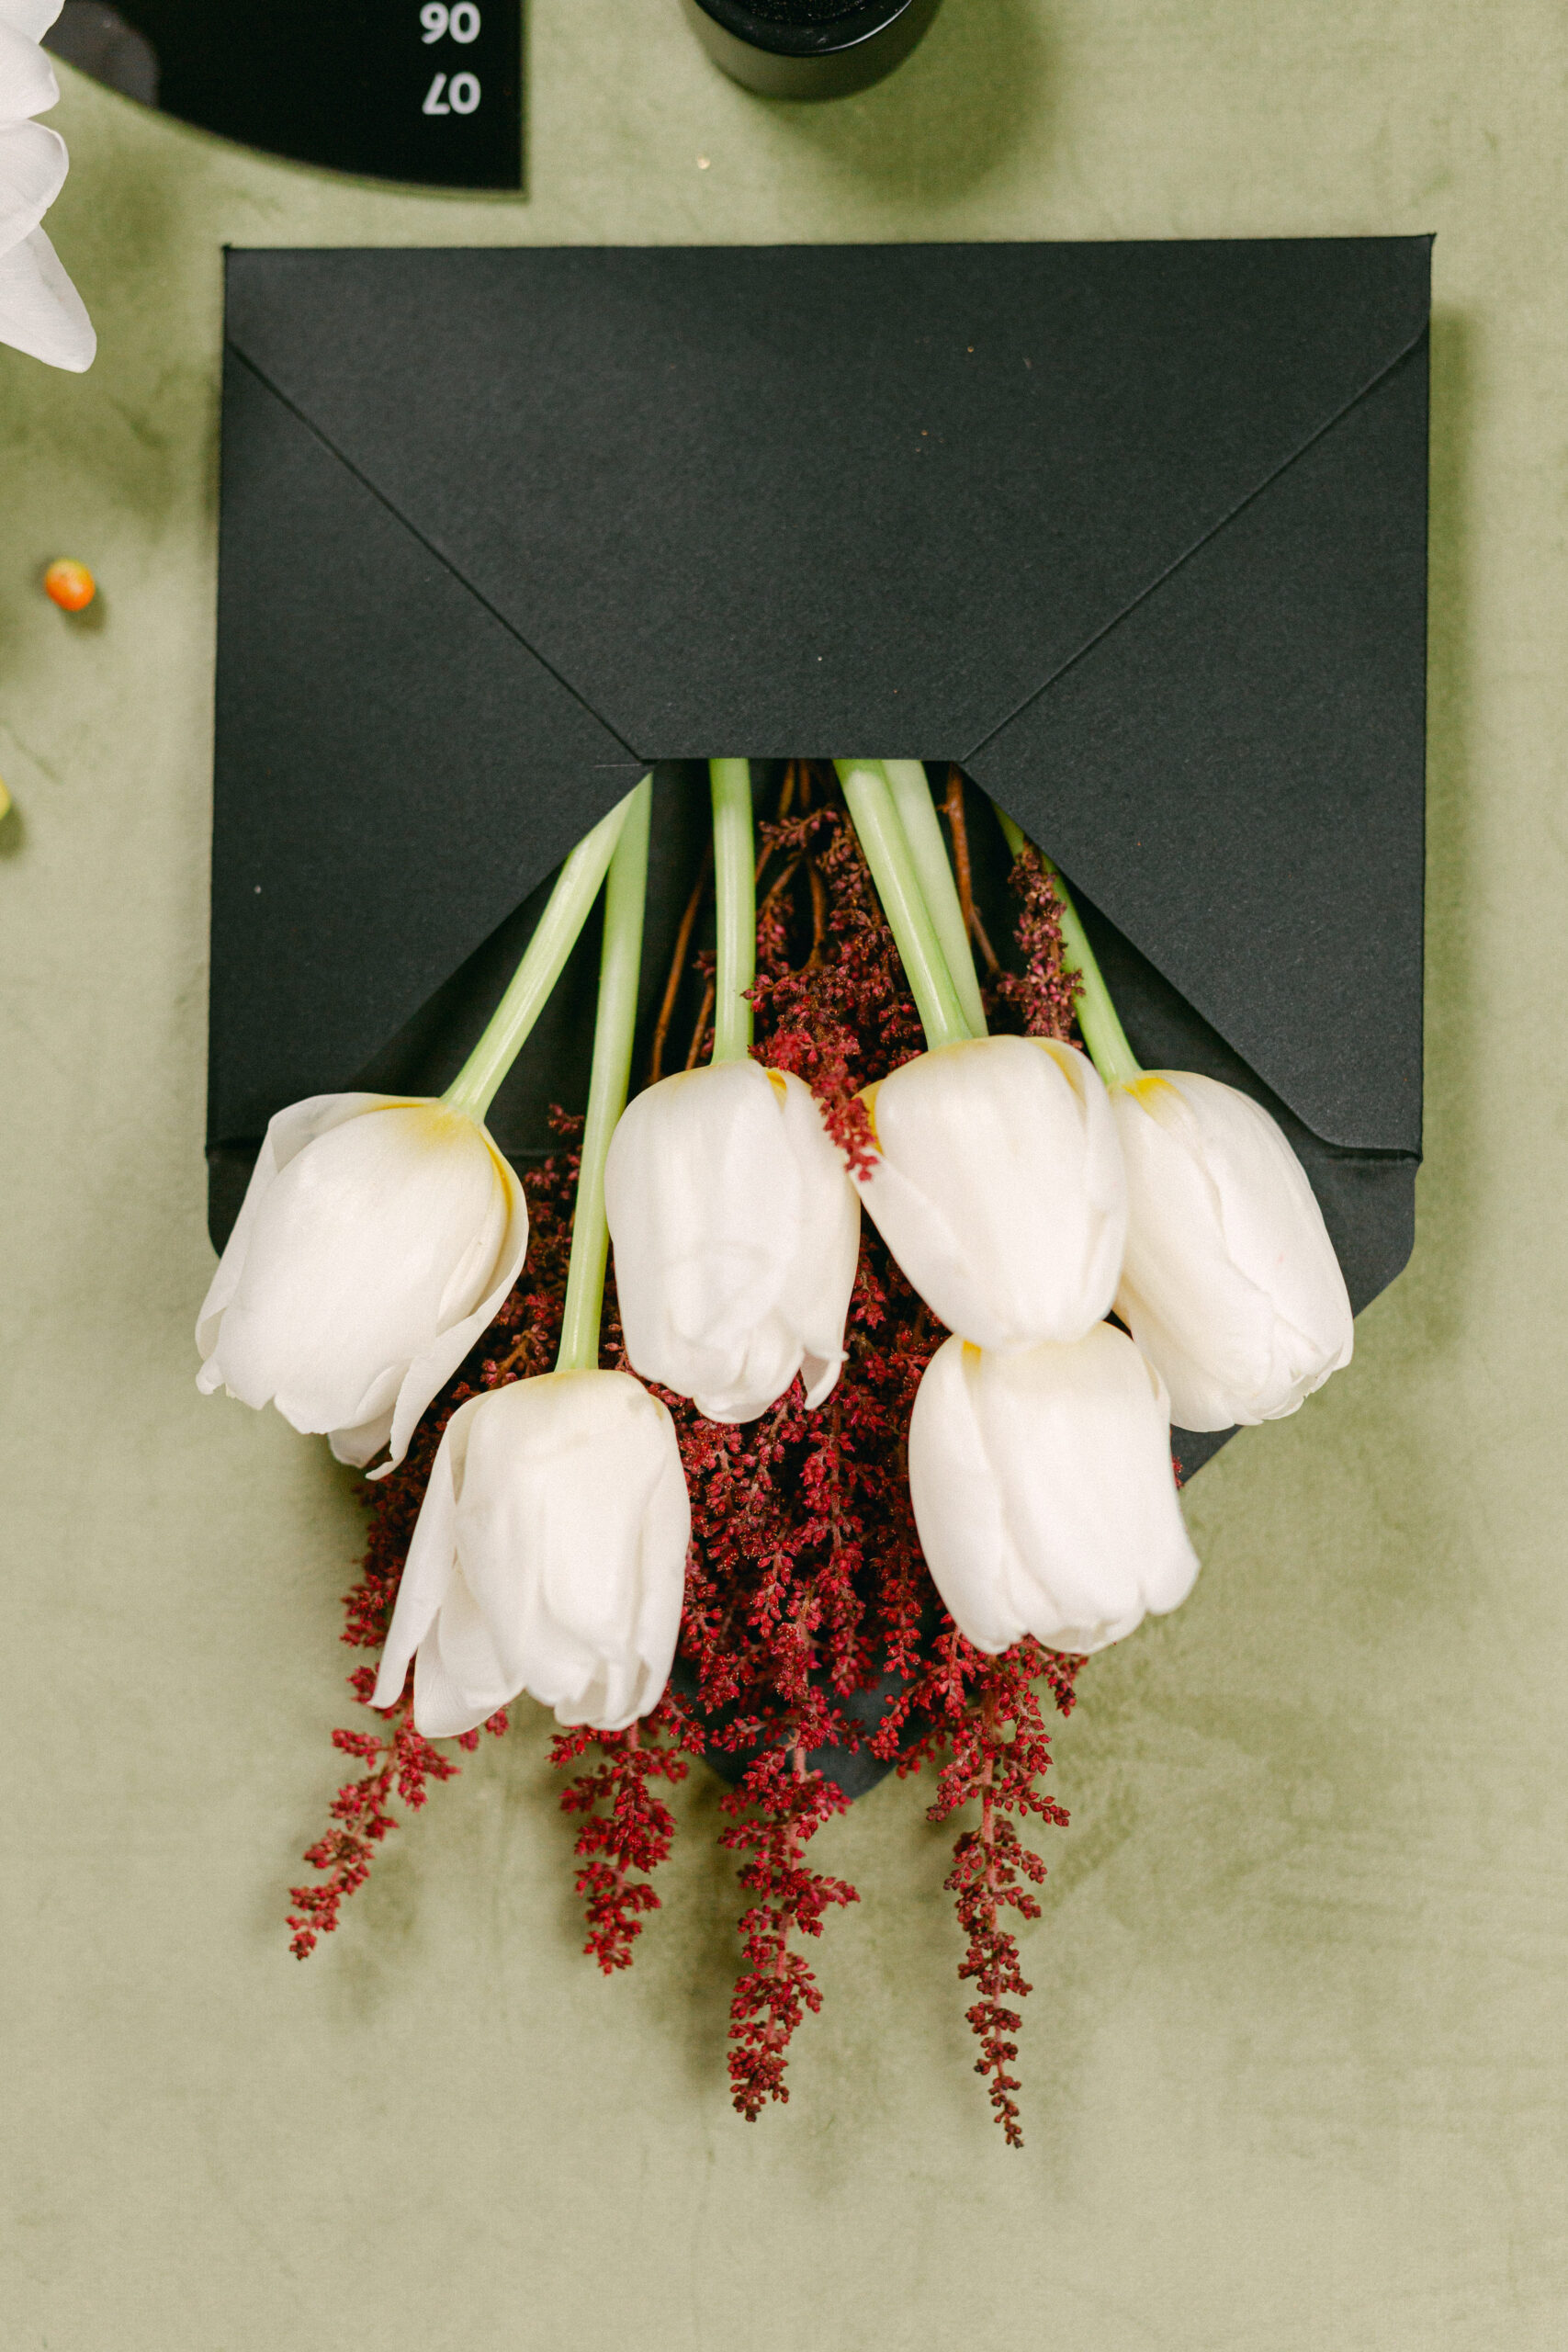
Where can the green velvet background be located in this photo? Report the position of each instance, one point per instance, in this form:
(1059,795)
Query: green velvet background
(1294,2062)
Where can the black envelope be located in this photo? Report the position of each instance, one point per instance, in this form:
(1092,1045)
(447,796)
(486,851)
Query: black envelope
(1134,533)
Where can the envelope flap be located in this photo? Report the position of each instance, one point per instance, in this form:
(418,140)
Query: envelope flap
(792,498)
(1235,773)
(394,771)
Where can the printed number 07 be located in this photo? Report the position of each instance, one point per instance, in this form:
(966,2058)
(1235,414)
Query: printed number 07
(461,22)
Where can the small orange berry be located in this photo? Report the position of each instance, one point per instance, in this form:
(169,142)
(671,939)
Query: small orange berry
(70,584)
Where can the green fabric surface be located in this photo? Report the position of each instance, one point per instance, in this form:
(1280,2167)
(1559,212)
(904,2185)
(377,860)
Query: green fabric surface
(1293,2062)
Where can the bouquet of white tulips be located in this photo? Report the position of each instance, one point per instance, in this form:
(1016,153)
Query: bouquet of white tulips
(1085,1247)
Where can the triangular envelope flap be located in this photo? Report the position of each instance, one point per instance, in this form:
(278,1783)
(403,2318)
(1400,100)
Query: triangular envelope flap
(794,498)
(1234,774)
(394,771)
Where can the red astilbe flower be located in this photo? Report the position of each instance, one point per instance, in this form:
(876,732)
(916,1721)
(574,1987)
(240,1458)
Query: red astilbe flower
(626,1826)
(1042,995)
(973,1701)
(788,1804)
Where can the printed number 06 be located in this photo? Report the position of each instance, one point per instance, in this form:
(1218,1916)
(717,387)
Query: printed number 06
(462,22)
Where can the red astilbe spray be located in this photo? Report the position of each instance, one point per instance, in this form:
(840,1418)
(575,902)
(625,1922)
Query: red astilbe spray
(974,1700)
(1043,994)
(626,1826)
(778,1806)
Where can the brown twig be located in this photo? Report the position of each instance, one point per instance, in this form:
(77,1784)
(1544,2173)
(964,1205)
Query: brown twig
(953,809)
(677,966)
(819,913)
(700,1031)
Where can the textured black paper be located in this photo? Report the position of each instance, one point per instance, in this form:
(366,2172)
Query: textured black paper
(1134,533)
(360,85)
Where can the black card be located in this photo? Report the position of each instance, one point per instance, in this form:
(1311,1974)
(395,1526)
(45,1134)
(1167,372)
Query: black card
(424,91)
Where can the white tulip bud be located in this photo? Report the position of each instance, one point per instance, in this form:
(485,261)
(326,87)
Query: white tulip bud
(1044,1492)
(998,1188)
(549,1555)
(378,1238)
(1230,1284)
(735,1233)
(40,311)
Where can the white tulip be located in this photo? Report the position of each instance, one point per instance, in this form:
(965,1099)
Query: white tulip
(378,1237)
(1230,1284)
(998,1188)
(549,1555)
(736,1232)
(1044,1492)
(40,311)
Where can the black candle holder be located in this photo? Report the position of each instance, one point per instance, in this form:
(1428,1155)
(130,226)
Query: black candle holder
(808,49)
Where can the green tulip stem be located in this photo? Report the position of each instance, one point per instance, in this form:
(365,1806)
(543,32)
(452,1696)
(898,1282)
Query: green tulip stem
(544,959)
(620,969)
(735,904)
(888,852)
(1102,1031)
(922,831)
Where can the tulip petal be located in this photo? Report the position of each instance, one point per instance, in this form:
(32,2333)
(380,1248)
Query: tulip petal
(28,86)
(288,1133)
(957,1505)
(555,1561)
(431,1564)
(1044,1492)
(459,1680)
(369,1221)
(1230,1283)
(733,1225)
(816,1300)
(998,1188)
(666,1538)
(40,311)
(430,1371)
(33,165)
(32,19)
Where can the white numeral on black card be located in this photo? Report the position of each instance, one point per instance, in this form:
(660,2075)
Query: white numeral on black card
(438,21)
(462,95)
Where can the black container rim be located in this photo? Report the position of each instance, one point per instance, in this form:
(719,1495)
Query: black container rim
(824,38)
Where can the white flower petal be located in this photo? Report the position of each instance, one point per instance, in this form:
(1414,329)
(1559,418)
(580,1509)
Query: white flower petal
(458,1679)
(998,1188)
(288,1133)
(378,1238)
(735,1235)
(32,19)
(28,86)
(1230,1283)
(565,1551)
(431,1560)
(1044,1493)
(958,1508)
(33,164)
(40,311)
